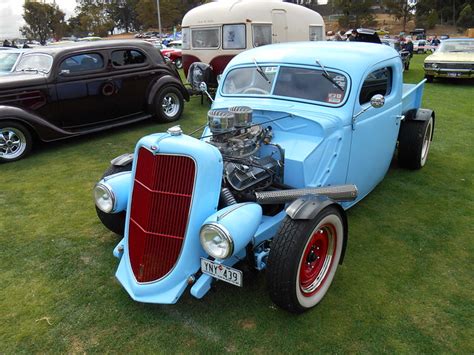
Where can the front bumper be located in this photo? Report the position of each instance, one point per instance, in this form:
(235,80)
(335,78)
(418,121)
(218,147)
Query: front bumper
(450,73)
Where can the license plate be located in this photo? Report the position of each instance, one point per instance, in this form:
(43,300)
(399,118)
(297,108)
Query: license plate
(453,75)
(222,272)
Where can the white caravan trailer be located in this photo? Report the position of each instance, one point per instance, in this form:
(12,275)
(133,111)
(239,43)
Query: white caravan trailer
(214,33)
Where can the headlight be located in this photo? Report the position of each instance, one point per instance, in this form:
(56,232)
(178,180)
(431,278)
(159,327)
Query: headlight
(433,65)
(104,198)
(216,241)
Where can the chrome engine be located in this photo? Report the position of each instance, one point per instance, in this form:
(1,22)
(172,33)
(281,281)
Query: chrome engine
(251,161)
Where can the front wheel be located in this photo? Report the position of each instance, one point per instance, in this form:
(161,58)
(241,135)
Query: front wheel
(429,78)
(303,260)
(15,141)
(169,104)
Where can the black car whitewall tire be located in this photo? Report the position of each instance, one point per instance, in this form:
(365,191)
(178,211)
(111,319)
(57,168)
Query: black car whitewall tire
(114,222)
(303,260)
(169,104)
(414,143)
(15,141)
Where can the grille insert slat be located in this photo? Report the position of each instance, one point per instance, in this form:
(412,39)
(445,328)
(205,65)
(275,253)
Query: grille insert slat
(161,200)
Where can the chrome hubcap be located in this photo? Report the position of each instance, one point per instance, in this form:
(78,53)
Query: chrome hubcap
(170,104)
(12,143)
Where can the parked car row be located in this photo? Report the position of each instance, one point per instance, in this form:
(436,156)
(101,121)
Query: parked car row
(65,91)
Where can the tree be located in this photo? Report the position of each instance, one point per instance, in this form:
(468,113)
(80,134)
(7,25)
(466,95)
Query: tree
(401,10)
(356,13)
(124,14)
(93,18)
(43,21)
(466,17)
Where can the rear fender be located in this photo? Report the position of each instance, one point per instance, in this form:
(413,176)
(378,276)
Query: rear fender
(421,114)
(308,207)
(163,81)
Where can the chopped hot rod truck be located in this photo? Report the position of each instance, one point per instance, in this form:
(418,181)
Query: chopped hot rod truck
(290,144)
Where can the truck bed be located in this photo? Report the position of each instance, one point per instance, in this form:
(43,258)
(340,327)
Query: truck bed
(412,95)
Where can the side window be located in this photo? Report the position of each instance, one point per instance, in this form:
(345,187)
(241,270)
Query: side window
(127,57)
(233,37)
(315,33)
(377,82)
(205,38)
(82,63)
(185,36)
(261,35)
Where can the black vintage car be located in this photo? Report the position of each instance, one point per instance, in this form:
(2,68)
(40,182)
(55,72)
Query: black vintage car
(58,92)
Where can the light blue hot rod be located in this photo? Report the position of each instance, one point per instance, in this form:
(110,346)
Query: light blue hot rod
(291,143)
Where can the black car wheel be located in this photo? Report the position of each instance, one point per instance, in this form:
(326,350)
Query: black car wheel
(429,78)
(15,141)
(414,143)
(303,260)
(114,222)
(169,104)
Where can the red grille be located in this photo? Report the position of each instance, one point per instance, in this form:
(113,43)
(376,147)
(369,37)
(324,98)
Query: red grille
(162,193)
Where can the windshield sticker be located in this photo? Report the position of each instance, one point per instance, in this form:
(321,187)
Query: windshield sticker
(334,98)
(341,80)
(270,70)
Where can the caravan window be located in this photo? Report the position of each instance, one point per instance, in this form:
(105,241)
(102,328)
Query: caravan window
(233,37)
(205,38)
(315,33)
(185,36)
(262,35)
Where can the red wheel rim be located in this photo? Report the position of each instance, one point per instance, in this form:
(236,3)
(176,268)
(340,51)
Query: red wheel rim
(317,259)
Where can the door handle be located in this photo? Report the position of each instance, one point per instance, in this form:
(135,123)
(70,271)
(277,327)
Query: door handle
(399,118)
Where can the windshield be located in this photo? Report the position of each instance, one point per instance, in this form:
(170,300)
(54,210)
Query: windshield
(35,62)
(292,82)
(7,60)
(456,46)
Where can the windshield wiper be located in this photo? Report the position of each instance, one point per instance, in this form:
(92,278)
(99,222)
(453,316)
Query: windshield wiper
(32,70)
(261,72)
(328,77)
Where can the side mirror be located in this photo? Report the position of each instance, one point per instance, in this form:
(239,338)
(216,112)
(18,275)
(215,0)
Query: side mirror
(203,89)
(377,101)
(202,86)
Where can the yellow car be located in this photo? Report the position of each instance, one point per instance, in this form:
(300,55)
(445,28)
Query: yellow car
(453,59)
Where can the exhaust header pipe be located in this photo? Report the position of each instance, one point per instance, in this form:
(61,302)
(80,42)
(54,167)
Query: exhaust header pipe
(338,193)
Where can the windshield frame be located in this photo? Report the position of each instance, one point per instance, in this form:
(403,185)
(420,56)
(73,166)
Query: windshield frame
(271,95)
(26,55)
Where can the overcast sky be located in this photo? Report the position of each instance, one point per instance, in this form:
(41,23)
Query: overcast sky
(11,11)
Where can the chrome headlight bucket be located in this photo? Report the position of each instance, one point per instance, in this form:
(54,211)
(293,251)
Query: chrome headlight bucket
(104,197)
(216,240)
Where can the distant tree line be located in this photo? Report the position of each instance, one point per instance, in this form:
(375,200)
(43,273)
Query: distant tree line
(98,18)
(426,13)
(95,17)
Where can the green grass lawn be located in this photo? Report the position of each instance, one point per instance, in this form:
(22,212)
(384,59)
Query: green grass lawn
(406,284)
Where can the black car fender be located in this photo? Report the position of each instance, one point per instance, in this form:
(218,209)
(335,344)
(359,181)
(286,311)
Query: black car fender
(307,207)
(420,114)
(43,129)
(166,80)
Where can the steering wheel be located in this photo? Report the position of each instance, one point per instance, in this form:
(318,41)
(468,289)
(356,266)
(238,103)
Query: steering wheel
(255,90)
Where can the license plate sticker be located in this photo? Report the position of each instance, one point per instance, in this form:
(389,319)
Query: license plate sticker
(222,272)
